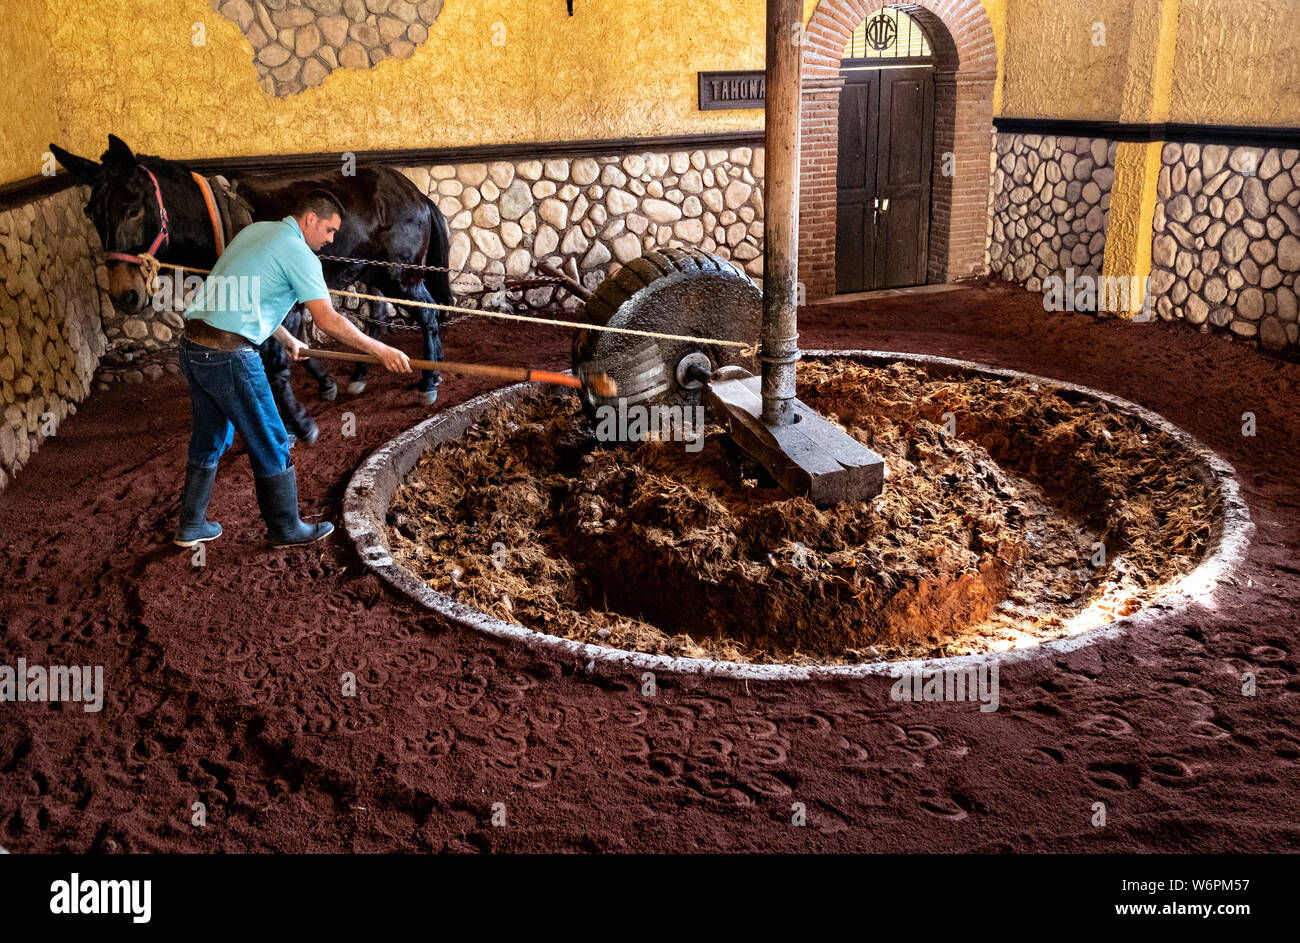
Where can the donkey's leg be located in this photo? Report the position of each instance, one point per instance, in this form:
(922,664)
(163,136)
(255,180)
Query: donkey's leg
(318,372)
(296,325)
(276,363)
(428,321)
(380,313)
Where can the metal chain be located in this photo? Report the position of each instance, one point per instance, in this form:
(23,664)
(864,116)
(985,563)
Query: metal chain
(397,325)
(427,268)
(419,268)
(394,325)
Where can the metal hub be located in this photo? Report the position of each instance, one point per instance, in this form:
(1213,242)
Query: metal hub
(693,371)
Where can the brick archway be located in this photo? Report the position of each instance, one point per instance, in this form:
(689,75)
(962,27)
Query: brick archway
(962,39)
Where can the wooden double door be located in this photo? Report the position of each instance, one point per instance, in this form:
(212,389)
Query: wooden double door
(886,135)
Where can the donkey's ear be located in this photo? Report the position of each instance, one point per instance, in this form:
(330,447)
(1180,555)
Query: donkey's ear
(79,167)
(118,154)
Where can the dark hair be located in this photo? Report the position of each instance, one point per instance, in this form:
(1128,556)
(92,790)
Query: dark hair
(321,202)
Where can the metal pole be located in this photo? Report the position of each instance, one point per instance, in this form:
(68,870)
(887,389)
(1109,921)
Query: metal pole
(780,349)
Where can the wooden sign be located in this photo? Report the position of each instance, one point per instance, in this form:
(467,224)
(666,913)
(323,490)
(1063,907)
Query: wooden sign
(720,90)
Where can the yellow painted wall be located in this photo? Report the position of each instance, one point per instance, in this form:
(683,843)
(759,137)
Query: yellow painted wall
(1237,62)
(996,10)
(28,101)
(1053,69)
(618,68)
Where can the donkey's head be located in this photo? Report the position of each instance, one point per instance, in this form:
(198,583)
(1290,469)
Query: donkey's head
(127,211)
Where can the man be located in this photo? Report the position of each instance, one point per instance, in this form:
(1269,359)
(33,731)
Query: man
(266,269)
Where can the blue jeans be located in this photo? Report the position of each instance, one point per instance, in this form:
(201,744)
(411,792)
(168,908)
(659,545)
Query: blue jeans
(228,393)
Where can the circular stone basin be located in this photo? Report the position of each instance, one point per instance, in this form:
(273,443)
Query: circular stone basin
(1020,515)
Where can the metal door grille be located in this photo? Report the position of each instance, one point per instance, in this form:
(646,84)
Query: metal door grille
(888,34)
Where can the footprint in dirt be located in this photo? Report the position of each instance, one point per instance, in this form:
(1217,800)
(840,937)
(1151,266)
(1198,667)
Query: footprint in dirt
(1171,771)
(914,737)
(712,748)
(716,784)
(536,775)
(1108,725)
(809,723)
(1117,777)
(631,747)
(665,769)
(953,808)
(765,786)
(854,753)
(1044,756)
(1208,730)
(1268,653)
(1286,746)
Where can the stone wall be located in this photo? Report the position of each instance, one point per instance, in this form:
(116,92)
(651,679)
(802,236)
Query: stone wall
(51,301)
(1050,204)
(1226,241)
(297,44)
(599,212)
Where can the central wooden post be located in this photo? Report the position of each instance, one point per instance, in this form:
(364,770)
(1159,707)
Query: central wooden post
(780,349)
(806,453)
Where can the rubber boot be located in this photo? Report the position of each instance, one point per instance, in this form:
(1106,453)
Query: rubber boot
(277,496)
(194,527)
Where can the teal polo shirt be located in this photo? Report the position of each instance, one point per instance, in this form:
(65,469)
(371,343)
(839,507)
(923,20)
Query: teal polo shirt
(266,269)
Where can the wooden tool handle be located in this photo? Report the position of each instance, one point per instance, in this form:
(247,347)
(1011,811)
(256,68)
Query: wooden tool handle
(477,369)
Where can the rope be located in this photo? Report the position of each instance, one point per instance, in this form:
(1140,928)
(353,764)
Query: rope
(150,267)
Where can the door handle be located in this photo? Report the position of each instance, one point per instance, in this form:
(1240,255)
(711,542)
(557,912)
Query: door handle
(878,206)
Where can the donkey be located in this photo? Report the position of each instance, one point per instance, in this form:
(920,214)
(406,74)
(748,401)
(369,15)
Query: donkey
(141,203)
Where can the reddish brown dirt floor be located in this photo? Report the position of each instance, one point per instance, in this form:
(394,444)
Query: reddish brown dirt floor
(223,681)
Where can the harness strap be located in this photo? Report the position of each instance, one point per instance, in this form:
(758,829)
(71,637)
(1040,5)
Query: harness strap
(218,230)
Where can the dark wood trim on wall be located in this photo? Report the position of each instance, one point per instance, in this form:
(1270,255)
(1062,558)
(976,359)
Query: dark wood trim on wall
(1235,135)
(31,188)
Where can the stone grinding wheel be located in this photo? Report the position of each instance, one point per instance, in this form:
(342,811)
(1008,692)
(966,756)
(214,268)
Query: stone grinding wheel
(672,291)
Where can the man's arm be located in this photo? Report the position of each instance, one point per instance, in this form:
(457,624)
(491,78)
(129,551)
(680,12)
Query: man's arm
(341,329)
(290,343)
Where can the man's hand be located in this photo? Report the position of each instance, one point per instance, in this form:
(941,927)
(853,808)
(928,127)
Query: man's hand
(392,358)
(292,346)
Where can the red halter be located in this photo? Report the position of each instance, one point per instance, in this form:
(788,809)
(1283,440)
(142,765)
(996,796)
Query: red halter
(163,236)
